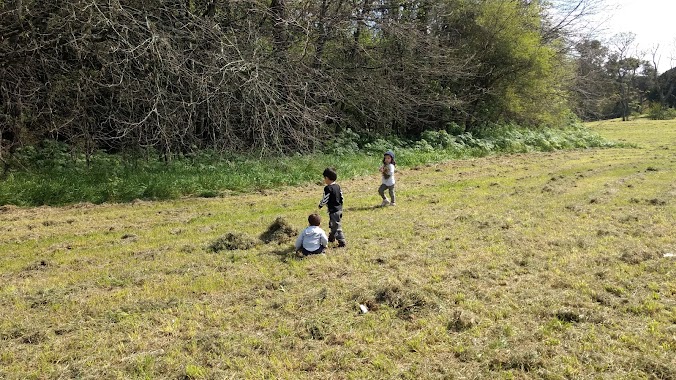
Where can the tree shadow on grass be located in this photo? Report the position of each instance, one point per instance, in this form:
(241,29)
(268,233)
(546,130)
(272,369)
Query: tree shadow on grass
(363,208)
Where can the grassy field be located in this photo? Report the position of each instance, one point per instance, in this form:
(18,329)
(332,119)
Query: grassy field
(544,265)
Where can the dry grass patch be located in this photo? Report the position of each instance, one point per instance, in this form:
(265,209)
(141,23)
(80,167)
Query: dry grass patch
(280,231)
(233,241)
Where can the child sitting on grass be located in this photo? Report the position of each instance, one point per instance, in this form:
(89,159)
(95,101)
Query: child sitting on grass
(313,239)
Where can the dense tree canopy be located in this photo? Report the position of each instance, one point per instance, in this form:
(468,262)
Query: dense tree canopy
(275,75)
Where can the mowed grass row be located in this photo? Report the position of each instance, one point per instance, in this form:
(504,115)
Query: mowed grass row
(541,265)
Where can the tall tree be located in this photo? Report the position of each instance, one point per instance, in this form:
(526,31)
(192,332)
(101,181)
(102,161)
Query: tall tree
(623,67)
(592,86)
(173,76)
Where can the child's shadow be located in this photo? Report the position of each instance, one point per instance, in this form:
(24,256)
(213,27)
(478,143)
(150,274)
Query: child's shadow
(286,254)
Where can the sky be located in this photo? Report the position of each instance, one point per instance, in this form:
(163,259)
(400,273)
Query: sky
(652,21)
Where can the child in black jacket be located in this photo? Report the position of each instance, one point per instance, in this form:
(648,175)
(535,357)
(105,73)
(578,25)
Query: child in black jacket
(333,199)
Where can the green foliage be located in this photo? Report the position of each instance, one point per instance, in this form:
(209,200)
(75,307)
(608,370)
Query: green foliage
(48,155)
(344,143)
(657,111)
(379,146)
(53,175)
(439,139)
(454,128)
(449,64)
(527,74)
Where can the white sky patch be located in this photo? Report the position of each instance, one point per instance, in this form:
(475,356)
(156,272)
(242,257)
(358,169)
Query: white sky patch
(652,21)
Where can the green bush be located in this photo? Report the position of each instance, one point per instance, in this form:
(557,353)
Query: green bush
(345,143)
(657,111)
(53,174)
(438,139)
(454,129)
(378,147)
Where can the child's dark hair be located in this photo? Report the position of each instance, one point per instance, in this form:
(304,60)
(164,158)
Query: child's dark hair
(314,219)
(330,173)
(391,154)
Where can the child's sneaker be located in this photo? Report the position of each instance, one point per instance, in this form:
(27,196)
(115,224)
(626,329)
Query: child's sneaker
(342,244)
(393,204)
(385,203)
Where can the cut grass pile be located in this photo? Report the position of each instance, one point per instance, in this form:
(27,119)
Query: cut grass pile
(539,265)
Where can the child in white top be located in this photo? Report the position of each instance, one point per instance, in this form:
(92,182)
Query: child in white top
(313,239)
(387,169)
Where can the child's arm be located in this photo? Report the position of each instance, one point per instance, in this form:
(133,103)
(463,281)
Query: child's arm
(299,241)
(324,240)
(325,199)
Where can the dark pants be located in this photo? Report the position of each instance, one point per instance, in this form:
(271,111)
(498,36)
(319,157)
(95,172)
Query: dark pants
(318,251)
(381,191)
(336,227)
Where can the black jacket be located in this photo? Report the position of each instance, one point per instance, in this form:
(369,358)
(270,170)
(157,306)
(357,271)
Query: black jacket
(333,198)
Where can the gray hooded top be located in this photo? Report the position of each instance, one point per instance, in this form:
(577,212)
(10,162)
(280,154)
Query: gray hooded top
(312,238)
